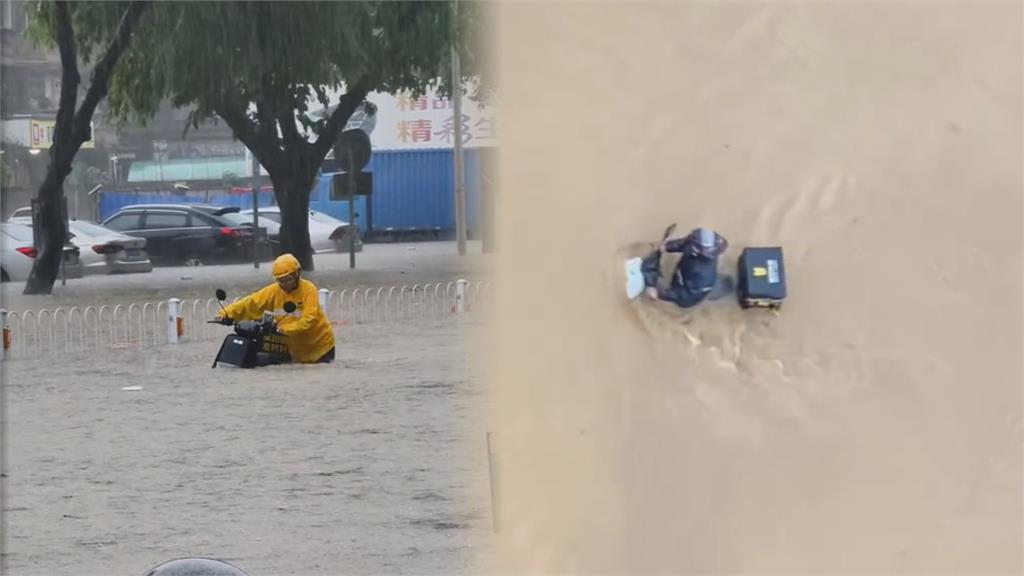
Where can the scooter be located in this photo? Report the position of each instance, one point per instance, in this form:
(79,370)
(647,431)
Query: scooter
(246,347)
(760,277)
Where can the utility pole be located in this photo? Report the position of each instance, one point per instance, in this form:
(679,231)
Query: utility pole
(255,212)
(460,186)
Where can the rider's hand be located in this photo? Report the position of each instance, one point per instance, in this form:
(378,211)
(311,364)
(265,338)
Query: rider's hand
(223,320)
(271,326)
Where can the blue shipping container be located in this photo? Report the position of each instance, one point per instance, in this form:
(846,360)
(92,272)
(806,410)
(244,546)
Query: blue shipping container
(411,190)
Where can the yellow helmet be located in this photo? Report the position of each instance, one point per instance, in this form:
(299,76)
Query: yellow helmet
(284,265)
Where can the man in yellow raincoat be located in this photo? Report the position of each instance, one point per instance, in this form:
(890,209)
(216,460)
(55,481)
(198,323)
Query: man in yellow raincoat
(307,331)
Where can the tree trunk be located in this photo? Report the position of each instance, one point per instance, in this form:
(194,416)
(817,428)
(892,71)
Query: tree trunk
(71,130)
(53,235)
(292,193)
(291,162)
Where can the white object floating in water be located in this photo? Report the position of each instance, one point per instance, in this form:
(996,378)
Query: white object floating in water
(634,278)
(132,388)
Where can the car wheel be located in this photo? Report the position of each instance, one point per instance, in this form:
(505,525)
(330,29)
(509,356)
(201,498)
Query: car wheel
(3,276)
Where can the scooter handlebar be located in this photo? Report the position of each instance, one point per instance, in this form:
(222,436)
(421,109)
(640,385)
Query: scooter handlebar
(269,325)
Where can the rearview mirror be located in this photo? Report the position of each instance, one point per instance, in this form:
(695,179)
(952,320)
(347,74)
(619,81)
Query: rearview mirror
(221,294)
(289,307)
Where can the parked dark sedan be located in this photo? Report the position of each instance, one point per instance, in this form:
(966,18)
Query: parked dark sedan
(177,233)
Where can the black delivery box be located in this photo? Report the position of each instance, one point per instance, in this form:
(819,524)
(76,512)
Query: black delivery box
(761,278)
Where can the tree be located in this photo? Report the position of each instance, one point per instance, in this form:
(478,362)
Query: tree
(6,172)
(109,25)
(262,67)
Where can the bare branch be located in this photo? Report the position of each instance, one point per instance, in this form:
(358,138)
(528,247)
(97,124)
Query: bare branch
(234,116)
(70,80)
(286,117)
(266,125)
(250,133)
(347,104)
(99,85)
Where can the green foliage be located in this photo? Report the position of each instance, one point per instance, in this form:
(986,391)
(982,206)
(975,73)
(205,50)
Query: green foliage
(6,172)
(94,24)
(230,179)
(85,177)
(205,54)
(213,54)
(262,65)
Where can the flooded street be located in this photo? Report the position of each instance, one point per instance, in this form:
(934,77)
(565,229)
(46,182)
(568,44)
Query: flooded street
(376,464)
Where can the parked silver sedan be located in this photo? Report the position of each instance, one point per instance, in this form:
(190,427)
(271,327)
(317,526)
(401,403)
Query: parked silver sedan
(18,255)
(105,251)
(326,233)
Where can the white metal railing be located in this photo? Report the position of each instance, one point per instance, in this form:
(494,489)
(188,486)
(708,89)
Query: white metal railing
(32,333)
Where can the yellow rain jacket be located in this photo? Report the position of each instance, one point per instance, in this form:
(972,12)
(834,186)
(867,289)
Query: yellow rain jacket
(306,331)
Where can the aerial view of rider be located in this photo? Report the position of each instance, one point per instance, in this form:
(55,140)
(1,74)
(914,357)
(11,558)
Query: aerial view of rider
(696,275)
(306,331)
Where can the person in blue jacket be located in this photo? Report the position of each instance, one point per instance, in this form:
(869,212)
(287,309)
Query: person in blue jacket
(696,275)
